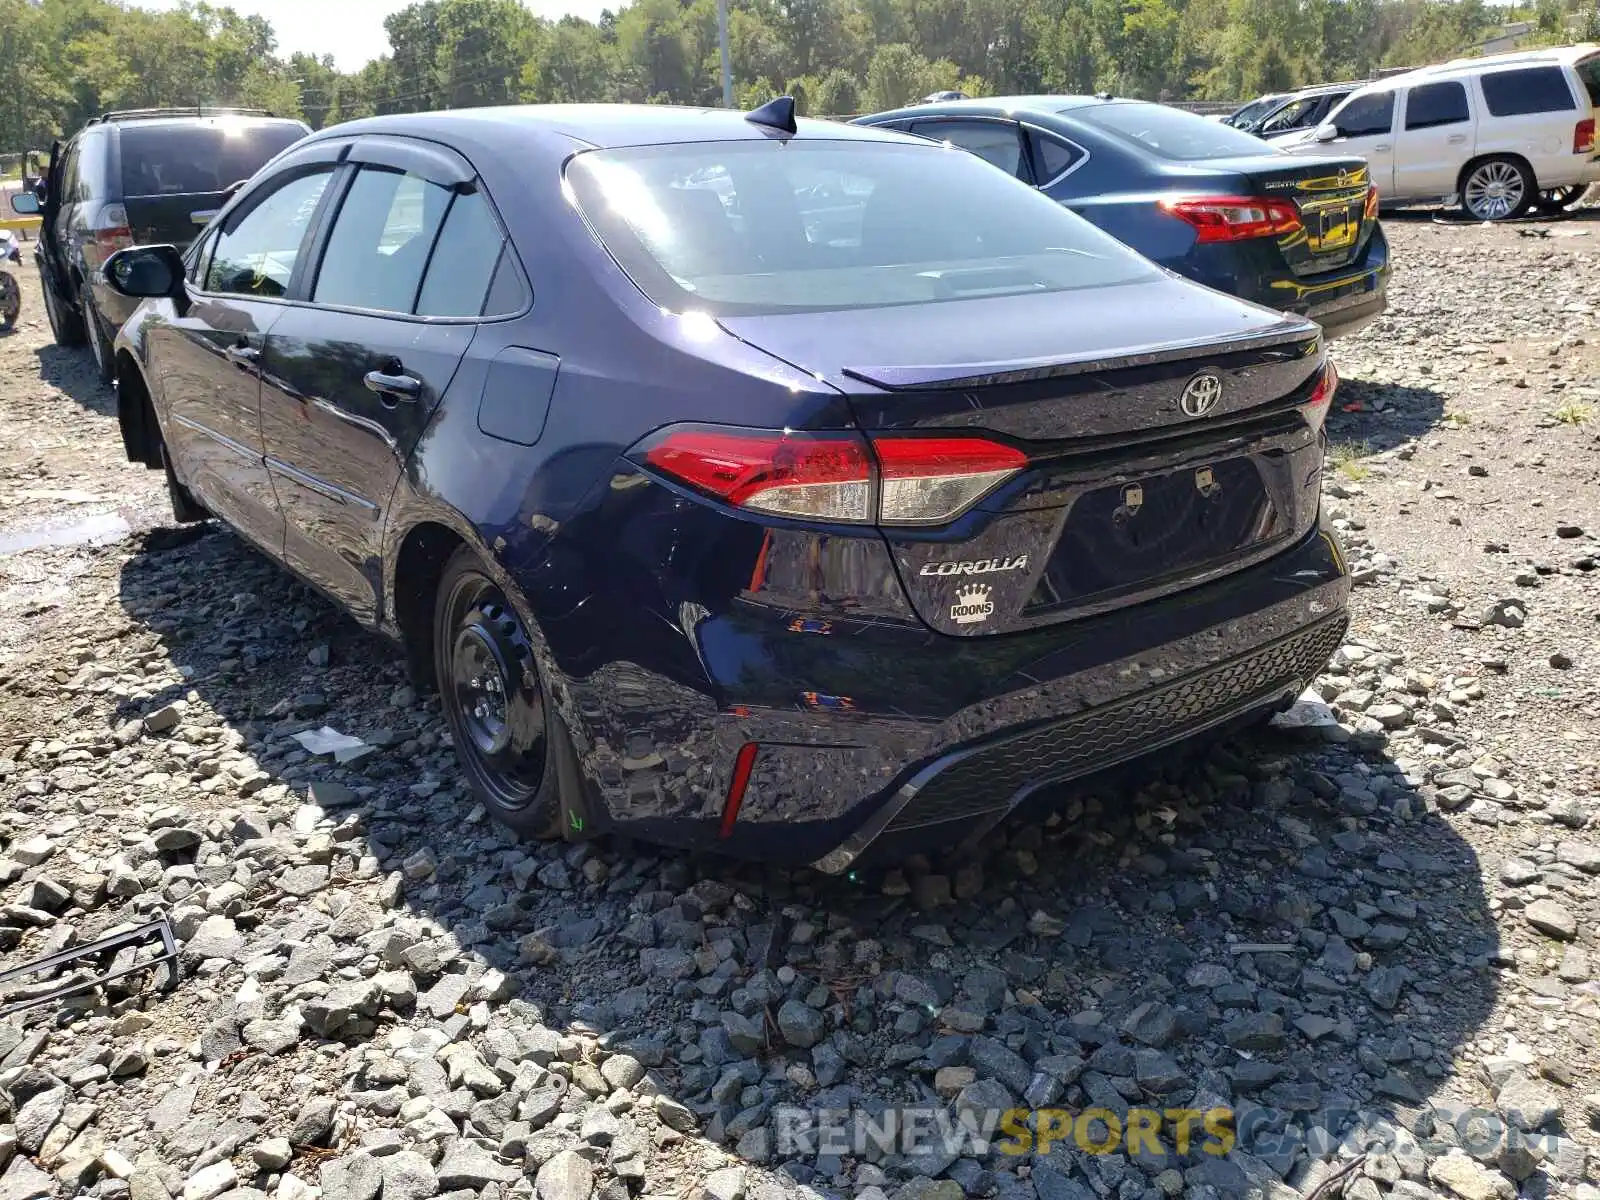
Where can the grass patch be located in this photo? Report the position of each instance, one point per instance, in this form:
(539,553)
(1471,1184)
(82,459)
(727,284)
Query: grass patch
(1346,458)
(1573,413)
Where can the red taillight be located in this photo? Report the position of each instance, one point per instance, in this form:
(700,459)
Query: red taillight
(112,231)
(1235,218)
(825,476)
(1370,211)
(742,766)
(893,480)
(927,480)
(1583,136)
(1315,409)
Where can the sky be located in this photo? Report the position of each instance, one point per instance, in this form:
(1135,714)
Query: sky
(352,30)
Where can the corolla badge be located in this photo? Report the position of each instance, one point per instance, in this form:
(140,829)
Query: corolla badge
(981,566)
(1200,395)
(972,605)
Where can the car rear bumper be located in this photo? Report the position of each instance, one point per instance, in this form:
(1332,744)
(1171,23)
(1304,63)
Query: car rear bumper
(952,734)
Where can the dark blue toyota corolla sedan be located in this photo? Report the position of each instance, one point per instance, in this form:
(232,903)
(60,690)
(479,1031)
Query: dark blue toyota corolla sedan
(740,485)
(1209,202)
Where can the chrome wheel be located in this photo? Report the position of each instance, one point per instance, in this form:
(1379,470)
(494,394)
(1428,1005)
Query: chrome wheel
(1495,190)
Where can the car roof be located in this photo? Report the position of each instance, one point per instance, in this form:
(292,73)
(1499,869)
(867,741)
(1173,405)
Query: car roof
(1008,106)
(1322,89)
(1551,54)
(599,125)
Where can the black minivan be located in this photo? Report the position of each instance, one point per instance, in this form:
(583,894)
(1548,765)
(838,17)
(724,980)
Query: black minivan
(126,178)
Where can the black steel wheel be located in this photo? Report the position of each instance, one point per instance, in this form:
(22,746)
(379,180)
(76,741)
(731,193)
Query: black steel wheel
(504,730)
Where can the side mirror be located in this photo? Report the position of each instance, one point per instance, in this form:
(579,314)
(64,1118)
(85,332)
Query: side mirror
(1326,133)
(144,271)
(25,204)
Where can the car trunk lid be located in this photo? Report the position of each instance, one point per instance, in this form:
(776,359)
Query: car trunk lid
(1330,195)
(1130,490)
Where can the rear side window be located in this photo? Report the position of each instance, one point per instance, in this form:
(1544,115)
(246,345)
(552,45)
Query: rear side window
(1589,72)
(1366,116)
(996,142)
(1170,132)
(1526,90)
(1051,156)
(1434,104)
(463,262)
(380,241)
(753,227)
(160,159)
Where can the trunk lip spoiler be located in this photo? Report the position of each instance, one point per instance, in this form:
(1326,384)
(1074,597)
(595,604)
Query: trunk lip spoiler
(958,375)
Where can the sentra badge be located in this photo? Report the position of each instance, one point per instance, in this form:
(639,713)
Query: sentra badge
(981,566)
(972,605)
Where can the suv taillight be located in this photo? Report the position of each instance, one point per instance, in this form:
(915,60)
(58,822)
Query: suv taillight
(887,479)
(1370,211)
(1316,408)
(1583,136)
(1235,218)
(111,231)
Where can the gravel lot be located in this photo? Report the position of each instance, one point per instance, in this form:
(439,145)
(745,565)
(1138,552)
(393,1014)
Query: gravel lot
(1376,938)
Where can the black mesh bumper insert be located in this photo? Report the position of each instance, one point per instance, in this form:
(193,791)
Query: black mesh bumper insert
(986,780)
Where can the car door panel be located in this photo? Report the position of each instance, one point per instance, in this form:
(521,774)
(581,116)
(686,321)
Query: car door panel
(1435,139)
(1362,128)
(210,390)
(335,446)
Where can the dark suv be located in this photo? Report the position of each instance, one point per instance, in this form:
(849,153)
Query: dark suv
(152,175)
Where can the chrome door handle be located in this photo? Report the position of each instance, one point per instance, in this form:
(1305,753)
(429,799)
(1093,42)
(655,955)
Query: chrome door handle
(393,387)
(1456,139)
(1381,147)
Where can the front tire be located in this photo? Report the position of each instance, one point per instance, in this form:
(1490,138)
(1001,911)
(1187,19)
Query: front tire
(1497,189)
(507,735)
(10,301)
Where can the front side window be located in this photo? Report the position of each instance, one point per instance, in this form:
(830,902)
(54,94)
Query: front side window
(995,142)
(1526,90)
(1434,104)
(1169,132)
(1291,116)
(1365,116)
(744,228)
(256,254)
(380,241)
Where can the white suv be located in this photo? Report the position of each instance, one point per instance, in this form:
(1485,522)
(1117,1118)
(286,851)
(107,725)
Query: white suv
(1499,134)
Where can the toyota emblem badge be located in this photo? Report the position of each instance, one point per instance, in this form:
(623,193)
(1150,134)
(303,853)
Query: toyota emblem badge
(1201,395)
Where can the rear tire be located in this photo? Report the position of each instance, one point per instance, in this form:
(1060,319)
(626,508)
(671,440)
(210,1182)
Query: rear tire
(98,345)
(508,737)
(66,326)
(1498,188)
(1556,200)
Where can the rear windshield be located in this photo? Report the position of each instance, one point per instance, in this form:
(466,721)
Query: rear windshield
(747,227)
(189,159)
(1171,132)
